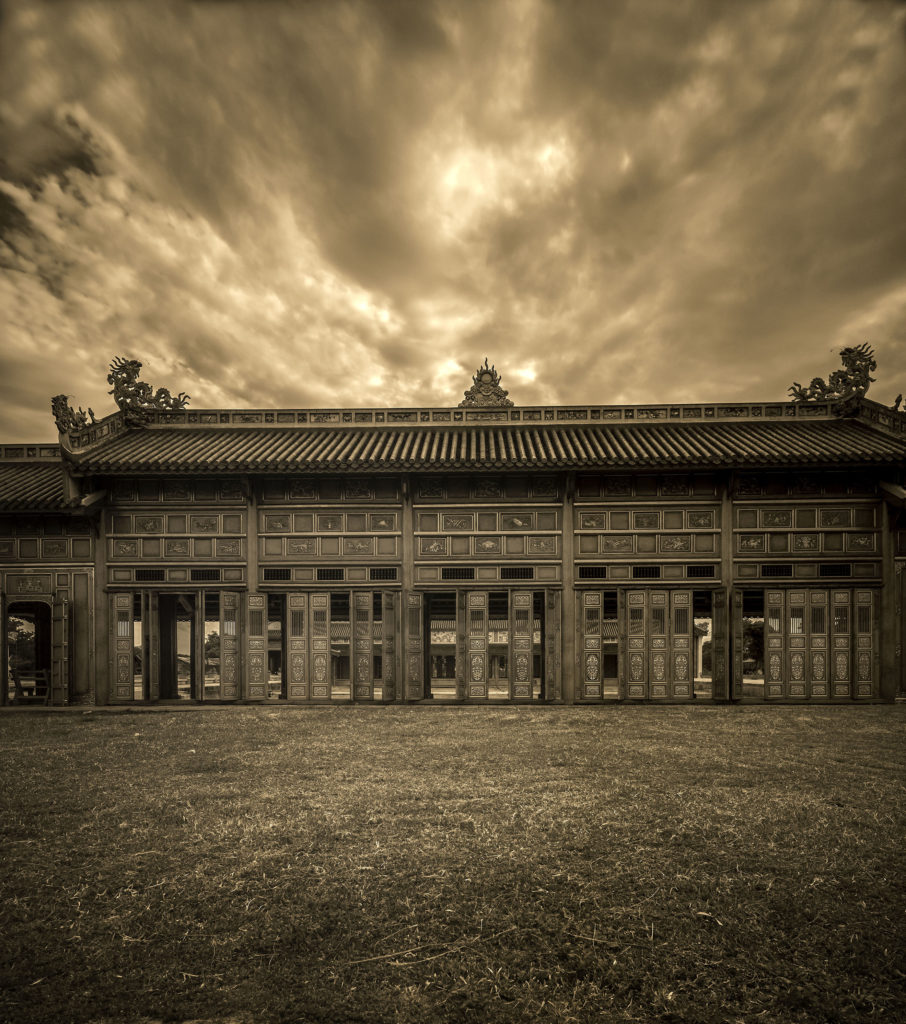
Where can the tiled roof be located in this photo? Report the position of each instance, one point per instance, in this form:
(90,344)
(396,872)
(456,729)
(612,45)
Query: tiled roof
(554,446)
(32,486)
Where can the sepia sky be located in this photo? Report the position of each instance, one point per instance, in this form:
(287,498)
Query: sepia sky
(313,203)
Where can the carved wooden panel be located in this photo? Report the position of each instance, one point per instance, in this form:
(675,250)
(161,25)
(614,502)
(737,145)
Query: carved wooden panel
(552,639)
(229,645)
(362,646)
(256,645)
(121,643)
(320,646)
(390,601)
(59,638)
(774,645)
(415,647)
(866,652)
(520,654)
(841,667)
(296,632)
(478,644)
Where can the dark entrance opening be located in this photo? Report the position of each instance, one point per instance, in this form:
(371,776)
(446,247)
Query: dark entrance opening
(276,646)
(752,682)
(441,616)
(28,631)
(179,677)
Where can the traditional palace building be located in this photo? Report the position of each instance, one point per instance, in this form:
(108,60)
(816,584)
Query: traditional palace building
(576,554)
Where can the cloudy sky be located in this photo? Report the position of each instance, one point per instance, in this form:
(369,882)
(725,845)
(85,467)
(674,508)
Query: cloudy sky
(353,203)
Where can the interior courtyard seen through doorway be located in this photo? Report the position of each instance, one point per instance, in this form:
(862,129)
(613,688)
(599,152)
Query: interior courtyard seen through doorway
(708,552)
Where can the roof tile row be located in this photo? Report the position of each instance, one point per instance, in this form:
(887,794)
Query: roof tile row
(550,447)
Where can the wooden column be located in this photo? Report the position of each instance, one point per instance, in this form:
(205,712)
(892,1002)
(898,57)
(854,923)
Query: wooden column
(568,663)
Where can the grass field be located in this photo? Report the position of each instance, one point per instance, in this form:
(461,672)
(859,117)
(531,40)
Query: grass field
(455,864)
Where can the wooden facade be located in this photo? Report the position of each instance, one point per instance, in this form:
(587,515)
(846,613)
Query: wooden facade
(479,554)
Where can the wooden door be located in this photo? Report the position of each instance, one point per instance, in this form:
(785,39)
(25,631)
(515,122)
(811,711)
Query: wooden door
(681,672)
(774,646)
(256,645)
(818,626)
(590,661)
(720,645)
(866,646)
(520,651)
(320,646)
(229,645)
(296,632)
(477,628)
(59,651)
(841,625)
(389,673)
(462,644)
(121,636)
(552,637)
(361,653)
(636,643)
(415,647)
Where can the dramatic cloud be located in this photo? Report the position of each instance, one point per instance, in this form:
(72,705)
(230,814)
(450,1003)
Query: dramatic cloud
(329,203)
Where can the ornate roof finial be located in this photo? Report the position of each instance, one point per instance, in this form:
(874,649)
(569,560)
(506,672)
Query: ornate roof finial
(136,399)
(845,387)
(485,389)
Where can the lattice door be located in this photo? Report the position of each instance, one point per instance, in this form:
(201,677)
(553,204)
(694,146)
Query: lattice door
(842,643)
(774,646)
(296,630)
(818,626)
(229,645)
(320,646)
(552,686)
(636,643)
(390,601)
(477,627)
(520,652)
(256,645)
(415,647)
(590,667)
(362,651)
(59,664)
(682,658)
(719,645)
(866,644)
(122,640)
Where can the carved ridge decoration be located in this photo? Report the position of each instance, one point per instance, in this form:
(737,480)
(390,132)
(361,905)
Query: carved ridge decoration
(843,387)
(136,399)
(485,390)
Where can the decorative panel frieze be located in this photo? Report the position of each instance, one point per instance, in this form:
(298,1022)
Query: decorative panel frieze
(806,530)
(487,533)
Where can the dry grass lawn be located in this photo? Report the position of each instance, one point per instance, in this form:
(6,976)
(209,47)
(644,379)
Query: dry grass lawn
(454,864)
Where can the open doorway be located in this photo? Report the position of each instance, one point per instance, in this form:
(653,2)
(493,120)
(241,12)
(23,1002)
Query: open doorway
(180,678)
(703,643)
(28,631)
(441,614)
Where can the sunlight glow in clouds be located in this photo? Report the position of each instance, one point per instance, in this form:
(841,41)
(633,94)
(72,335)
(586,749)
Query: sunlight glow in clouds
(325,204)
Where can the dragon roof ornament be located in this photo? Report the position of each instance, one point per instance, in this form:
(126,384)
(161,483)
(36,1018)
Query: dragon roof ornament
(135,399)
(846,386)
(485,389)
